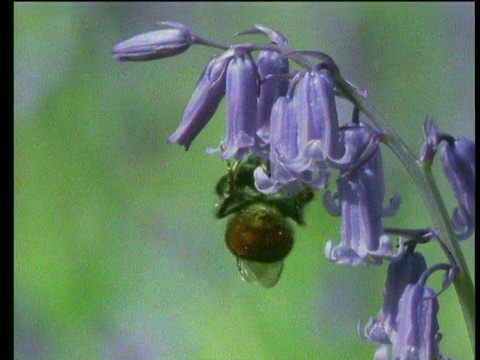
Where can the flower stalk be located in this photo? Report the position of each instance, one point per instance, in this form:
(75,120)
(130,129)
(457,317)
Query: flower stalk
(284,137)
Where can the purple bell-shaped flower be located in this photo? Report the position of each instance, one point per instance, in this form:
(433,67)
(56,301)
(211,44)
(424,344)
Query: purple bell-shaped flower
(458,164)
(407,270)
(241,106)
(288,169)
(204,102)
(361,192)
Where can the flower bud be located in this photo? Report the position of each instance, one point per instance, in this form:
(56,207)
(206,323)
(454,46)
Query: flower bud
(204,102)
(458,164)
(432,137)
(155,44)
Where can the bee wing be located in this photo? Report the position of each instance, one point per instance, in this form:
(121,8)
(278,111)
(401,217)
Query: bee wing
(265,274)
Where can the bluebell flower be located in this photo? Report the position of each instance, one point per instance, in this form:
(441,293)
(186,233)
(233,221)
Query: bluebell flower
(406,328)
(417,335)
(208,94)
(309,164)
(360,194)
(406,270)
(319,131)
(316,113)
(311,128)
(283,146)
(272,68)
(241,106)
(271,88)
(289,167)
(458,164)
(324,112)
(158,44)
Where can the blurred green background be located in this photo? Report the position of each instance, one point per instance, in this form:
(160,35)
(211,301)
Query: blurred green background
(117,254)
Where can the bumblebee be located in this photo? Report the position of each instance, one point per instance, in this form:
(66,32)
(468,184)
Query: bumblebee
(259,233)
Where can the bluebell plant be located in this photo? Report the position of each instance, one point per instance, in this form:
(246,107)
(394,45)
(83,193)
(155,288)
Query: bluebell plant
(284,141)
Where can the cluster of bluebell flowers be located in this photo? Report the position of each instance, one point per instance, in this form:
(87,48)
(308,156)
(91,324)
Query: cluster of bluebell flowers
(288,119)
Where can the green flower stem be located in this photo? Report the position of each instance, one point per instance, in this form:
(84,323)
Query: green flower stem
(425,182)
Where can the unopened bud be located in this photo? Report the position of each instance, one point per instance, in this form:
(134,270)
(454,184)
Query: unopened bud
(155,44)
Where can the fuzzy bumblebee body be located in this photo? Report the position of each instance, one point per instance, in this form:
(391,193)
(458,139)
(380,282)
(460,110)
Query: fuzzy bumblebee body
(260,233)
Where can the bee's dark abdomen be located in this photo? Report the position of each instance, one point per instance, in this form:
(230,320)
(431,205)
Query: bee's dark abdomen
(260,233)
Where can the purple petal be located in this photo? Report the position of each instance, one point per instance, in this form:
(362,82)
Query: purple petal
(458,165)
(405,271)
(393,206)
(432,139)
(361,193)
(331,205)
(382,353)
(264,183)
(324,112)
(241,106)
(417,336)
(269,63)
(155,44)
(204,102)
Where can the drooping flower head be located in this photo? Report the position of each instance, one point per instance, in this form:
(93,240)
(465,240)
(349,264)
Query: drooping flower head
(270,65)
(272,69)
(324,111)
(320,134)
(241,105)
(406,328)
(360,195)
(204,102)
(458,164)
(417,335)
(173,40)
(283,146)
(289,126)
(311,127)
(407,270)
